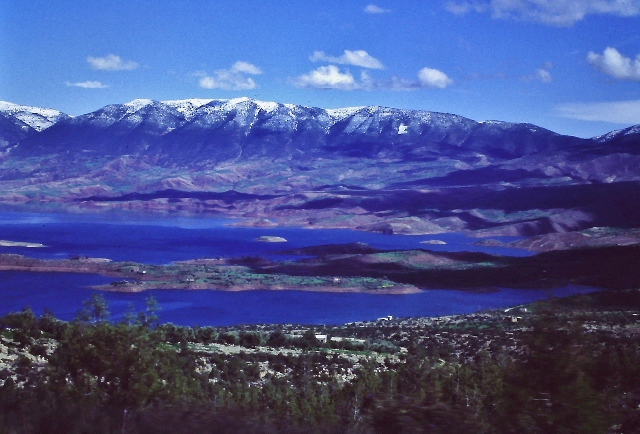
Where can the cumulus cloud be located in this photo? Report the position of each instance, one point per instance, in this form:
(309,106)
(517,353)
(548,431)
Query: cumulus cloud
(373,9)
(246,68)
(234,78)
(612,63)
(111,62)
(328,77)
(356,58)
(430,77)
(556,13)
(617,112)
(87,85)
(331,77)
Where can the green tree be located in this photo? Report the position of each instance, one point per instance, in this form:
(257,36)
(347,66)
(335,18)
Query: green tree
(124,367)
(94,310)
(24,325)
(149,317)
(551,391)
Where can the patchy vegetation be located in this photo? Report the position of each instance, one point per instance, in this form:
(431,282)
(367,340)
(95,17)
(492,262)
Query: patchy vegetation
(236,274)
(360,268)
(568,365)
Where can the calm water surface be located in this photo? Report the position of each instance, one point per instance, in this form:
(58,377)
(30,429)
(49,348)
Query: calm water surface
(154,240)
(63,294)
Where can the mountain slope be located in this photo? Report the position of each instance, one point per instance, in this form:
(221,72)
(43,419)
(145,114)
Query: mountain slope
(18,122)
(373,168)
(218,130)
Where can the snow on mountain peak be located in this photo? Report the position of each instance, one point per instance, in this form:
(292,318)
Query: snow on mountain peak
(36,117)
(341,113)
(137,104)
(635,129)
(267,106)
(187,107)
(236,101)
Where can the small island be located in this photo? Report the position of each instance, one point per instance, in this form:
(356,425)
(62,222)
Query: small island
(271,239)
(7,243)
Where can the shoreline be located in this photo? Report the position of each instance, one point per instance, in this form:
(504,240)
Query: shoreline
(7,243)
(142,281)
(134,288)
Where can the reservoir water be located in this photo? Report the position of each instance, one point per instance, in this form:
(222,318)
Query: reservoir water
(150,239)
(162,240)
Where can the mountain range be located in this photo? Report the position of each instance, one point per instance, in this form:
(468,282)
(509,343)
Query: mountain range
(371,168)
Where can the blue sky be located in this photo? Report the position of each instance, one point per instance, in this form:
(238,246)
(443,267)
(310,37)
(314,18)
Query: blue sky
(572,66)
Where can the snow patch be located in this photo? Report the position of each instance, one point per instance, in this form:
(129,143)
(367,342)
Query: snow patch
(136,104)
(188,107)
(36,117)
(267,106)
(341,113)
(402,129)
(236,101)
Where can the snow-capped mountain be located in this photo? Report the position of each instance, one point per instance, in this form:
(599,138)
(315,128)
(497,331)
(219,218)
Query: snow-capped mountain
(376,168)
(35,117)
(18,122)
(227,129)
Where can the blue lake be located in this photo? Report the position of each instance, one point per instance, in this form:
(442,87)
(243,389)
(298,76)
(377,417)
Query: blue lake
(162,240)
(63,294)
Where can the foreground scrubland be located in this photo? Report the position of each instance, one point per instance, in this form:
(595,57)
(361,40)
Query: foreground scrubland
(564,366)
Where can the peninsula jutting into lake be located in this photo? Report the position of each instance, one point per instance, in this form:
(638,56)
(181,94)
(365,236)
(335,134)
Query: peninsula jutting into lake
(359,268)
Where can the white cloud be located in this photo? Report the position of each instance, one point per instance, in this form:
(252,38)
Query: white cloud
(617,112)
(328,77)
(464,7)
(612,63)
(373,9)
(87,85)
(111,62)
(234,78)
(246,67)
(227,81)
(399,84)
(366,81)
(356,58)
(430,77)
(542,74)
(551,12)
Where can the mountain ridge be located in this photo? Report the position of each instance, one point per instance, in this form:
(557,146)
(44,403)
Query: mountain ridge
(189,106)
(364,167)
(18,122)
(207,125)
